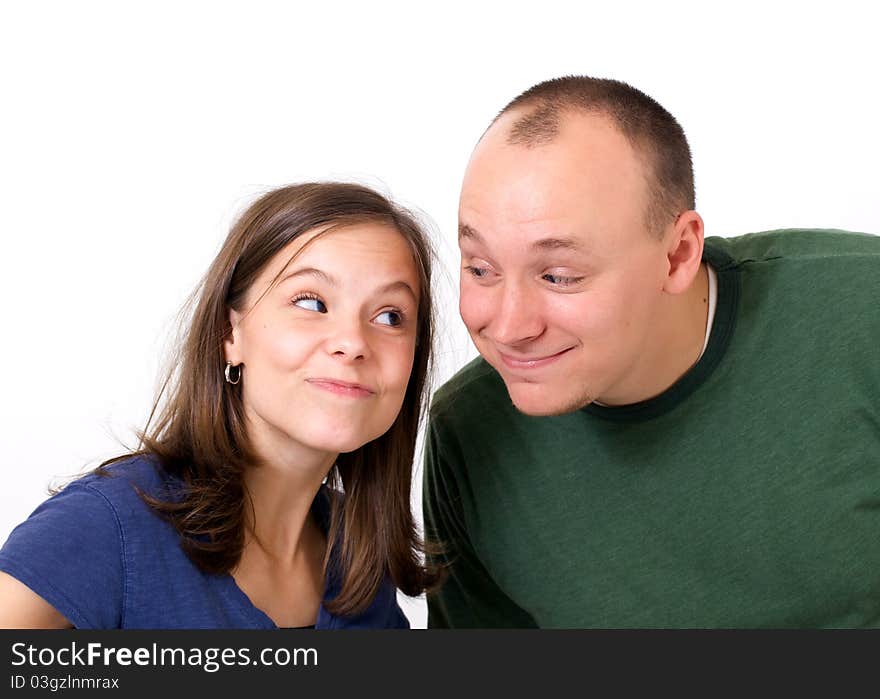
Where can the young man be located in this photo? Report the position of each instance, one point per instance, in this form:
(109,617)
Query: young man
(659,433)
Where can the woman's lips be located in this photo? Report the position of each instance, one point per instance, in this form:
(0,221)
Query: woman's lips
(342,388)
(531,362)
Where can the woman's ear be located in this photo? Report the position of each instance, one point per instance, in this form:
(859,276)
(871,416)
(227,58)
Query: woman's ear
(684,252)
(232,344)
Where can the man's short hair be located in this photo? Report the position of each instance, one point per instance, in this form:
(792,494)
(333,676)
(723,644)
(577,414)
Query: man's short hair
(652,131)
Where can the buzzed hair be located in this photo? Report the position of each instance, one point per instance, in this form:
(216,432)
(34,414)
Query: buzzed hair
(653,132)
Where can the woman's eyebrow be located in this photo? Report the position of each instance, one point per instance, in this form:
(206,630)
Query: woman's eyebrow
(310,271)
(398,285)
(331,280)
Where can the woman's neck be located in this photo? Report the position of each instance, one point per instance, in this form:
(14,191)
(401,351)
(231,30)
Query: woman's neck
(279,502)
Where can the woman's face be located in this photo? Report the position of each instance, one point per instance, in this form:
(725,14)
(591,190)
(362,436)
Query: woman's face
(326,353)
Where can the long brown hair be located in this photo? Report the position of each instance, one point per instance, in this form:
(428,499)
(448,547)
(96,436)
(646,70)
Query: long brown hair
(199,432)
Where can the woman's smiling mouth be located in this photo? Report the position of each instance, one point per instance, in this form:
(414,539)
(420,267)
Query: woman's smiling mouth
(342,388)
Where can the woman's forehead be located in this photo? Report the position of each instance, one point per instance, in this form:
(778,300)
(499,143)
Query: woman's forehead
(360,250)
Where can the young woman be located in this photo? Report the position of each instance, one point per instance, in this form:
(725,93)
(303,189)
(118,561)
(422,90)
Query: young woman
(273,489)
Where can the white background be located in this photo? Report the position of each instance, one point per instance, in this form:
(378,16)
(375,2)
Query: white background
(131,135)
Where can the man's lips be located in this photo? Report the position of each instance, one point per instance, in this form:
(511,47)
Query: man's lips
(530,362)
(342,388)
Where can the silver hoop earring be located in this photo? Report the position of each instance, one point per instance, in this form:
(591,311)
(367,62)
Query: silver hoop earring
(228,373)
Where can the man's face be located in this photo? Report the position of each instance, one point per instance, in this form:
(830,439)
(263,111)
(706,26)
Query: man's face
(561,282)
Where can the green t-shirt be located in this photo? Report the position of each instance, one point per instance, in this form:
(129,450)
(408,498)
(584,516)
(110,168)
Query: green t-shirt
(746,495)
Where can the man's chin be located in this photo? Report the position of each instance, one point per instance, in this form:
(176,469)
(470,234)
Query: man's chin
(539,400)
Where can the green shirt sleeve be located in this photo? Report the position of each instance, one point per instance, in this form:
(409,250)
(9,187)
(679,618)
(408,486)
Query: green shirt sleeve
(469,597)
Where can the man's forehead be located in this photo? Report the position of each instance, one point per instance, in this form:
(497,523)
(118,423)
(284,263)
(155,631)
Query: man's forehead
(587,147)
(589,177)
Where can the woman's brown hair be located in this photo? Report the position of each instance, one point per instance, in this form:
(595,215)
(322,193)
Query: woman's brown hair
(199,433)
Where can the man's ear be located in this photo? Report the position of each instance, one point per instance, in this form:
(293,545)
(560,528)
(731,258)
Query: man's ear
(232,344)
(684,252)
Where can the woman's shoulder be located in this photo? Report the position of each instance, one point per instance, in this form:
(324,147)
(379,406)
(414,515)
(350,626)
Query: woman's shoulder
(122,482)
(102,505)
(73,549)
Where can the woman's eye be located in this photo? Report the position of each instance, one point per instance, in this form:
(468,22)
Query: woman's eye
(392,318)
(310,303)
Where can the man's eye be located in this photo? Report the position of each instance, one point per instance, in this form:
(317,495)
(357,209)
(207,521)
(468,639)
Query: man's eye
(559,280)
(310,303)
(478,272)
(392,318)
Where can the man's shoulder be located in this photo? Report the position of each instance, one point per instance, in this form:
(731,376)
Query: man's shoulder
(795,243)
(473,387)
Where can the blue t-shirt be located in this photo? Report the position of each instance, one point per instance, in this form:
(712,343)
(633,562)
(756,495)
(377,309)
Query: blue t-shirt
(106,560)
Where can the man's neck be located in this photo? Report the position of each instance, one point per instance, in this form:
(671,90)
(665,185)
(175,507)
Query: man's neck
(679,343)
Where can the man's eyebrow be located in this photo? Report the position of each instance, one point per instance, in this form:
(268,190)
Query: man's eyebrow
(310,271)
(465,231)
(557,244)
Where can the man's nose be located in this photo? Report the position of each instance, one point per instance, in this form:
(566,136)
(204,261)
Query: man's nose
(518,316)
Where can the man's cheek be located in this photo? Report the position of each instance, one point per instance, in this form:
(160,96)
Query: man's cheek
(474,310)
